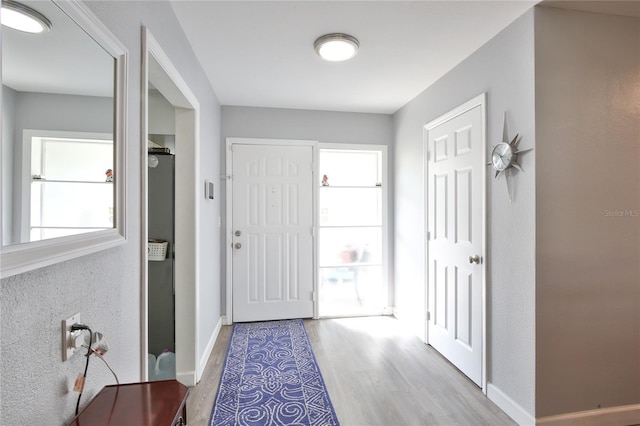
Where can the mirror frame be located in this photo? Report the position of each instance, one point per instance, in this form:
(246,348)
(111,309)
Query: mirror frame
(18,258)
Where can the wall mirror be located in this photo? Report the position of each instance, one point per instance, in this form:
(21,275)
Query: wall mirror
(63,136)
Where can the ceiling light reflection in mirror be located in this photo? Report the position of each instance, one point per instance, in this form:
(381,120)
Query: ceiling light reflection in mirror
(59,81)
(22,18)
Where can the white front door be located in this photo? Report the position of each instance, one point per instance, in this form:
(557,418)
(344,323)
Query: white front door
(455,226)
(272,232)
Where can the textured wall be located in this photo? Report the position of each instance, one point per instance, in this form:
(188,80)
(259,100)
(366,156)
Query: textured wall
(36,384)
(105,287)
(588,154)
(504,69)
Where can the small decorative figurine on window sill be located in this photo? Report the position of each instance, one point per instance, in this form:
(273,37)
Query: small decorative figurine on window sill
(325,180)
(109,174)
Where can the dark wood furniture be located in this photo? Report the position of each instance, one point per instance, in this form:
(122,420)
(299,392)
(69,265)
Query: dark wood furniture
(161,403)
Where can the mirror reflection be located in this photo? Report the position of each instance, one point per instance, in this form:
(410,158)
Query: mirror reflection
(57,131)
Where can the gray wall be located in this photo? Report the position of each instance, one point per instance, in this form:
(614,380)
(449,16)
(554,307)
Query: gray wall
(105,287)
(322,126)
(8,149)
(162,120)
(44,111)
(588,157)
(504,69)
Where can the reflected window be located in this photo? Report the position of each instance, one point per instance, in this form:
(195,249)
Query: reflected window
(71,185)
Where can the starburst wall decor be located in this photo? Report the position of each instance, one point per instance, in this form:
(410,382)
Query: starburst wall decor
(505,156)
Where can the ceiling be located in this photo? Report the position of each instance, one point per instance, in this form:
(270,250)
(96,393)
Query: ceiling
(64,60)
(260,53)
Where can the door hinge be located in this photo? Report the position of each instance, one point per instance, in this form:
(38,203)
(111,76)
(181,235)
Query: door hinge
(428,316)
(313,231)
(428,235)
(313,296)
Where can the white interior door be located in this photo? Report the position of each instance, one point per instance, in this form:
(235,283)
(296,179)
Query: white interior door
(272,232)
(455,226)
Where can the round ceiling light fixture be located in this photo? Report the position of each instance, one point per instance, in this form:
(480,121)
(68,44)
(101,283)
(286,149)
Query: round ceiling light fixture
(22,18)
(336,47)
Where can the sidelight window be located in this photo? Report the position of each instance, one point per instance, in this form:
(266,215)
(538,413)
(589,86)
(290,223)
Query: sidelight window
(352,232)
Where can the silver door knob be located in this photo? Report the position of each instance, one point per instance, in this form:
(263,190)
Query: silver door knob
(238,233)
(474,259)
(238,245)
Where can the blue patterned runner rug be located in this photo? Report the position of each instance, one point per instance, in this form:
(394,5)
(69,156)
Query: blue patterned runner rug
(270,377)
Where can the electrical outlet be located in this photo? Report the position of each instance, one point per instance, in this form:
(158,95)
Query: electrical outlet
(71,341)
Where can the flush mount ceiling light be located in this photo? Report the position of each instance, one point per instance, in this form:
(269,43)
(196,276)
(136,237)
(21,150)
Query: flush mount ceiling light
(336,47)
(22,18)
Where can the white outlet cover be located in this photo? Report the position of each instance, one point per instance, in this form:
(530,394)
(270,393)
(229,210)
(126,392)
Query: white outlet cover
(69,347)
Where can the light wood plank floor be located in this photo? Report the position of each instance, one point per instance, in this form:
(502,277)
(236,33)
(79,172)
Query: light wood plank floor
(376,374)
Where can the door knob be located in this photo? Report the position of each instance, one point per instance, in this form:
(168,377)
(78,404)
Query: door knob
(238,245)
(238,233)
(474,259)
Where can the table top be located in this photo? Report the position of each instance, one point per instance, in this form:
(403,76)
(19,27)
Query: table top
(140,404)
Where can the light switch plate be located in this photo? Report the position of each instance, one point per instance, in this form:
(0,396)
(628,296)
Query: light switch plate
(69,347)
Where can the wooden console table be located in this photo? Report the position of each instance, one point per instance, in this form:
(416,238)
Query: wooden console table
(161,403)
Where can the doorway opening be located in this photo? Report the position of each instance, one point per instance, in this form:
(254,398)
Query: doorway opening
(353,231)
(161,236)
(170,126)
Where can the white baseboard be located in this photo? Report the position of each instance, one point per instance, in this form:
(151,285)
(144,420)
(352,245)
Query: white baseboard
(226,320)
(186,378)
(207,350)
(409,324)
(614,416)
(509,406)
(396,312)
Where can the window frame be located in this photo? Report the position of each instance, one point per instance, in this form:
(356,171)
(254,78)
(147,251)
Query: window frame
(385,213)
(48,136)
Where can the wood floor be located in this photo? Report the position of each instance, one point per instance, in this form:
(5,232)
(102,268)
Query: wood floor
(376,374)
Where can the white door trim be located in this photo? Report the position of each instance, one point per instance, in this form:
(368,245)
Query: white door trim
(228,319)
(480,100)
(187,115)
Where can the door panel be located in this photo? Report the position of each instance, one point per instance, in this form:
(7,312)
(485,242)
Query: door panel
(273,215)
(455,214)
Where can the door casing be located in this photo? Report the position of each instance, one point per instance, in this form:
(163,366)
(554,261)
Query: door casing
(158,67)
(480,100)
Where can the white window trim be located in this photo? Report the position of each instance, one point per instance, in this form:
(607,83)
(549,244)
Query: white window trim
(385,211)
(27,143)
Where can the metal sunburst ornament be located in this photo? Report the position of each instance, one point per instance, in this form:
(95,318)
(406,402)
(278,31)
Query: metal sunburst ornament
(504,156)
